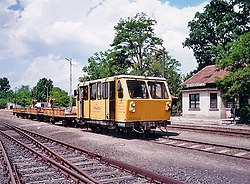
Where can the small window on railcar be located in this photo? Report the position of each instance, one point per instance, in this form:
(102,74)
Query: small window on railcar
(137,89)
(85,93)
(80,93)
(119,89)
(105,90)
(158,90)
(76,94)
(93,91)
(99,92)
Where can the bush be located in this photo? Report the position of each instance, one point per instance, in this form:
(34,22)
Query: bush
(3,103)
(245,114)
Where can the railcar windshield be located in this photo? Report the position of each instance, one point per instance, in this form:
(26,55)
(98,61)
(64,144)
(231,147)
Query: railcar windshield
(158,90)
(137,89)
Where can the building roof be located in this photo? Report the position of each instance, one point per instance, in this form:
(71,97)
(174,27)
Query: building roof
(207,75)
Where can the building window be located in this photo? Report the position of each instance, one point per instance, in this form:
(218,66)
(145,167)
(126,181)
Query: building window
(194,101)
(213,100)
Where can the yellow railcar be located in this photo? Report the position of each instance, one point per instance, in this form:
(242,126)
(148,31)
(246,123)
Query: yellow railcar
(126,102)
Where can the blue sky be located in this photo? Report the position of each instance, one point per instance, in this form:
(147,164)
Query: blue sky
(36,36)
(184,3)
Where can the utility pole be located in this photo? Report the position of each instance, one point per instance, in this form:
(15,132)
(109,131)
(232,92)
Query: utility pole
(70,80)
(163,61)
(15,96)
(47,93)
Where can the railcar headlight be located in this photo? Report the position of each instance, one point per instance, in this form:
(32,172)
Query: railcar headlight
(132,110)
(132,104)
(132,107)
(168,106)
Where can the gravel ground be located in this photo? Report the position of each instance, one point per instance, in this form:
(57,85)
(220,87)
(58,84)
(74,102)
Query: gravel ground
(189,166)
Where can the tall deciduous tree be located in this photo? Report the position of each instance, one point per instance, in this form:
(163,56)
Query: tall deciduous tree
(4,87)
(42,89)
(60,97)
(236,58)
(23,96)
(134,42)
(216,26)
(137,51)
(100,66)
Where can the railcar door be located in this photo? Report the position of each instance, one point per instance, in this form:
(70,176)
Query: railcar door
(112,100)
(81,105)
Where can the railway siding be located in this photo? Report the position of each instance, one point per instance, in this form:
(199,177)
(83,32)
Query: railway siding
(232,151)
(84,166)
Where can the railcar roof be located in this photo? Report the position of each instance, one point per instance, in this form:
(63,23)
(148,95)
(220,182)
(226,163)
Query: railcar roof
(125,76)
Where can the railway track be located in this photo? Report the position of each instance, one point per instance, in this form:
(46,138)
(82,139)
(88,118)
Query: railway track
(232,151)
(34,158)
(211,129)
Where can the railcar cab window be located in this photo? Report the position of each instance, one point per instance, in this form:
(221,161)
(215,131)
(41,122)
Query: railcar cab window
(99,92)
(93,90)
(80,95)
(137,89)
(85,93)
(158,90)
(105,90)
(119,89)
(76,95)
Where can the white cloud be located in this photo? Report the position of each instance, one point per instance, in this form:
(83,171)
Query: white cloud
(52,67)
(44,32)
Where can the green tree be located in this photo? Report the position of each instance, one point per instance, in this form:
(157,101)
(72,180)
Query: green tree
(137,51)
(42,89)
(5,92)
(216,26)
(60,97)
(100,66)
(23,96)
(235,58)
(4,87)
(134,42)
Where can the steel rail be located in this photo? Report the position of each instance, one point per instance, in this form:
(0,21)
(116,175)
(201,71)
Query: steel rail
(204,150)
(13,177)
(210,144)
(66,171)
(55,155)
(153,177)
(241,132)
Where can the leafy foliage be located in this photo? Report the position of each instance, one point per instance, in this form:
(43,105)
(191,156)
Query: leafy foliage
(136,51)
(135,42)
(236,84)
(216,26)
(245,114)
(61,97)
(5,92)
(236,59)
(42,89)
(4,87)
(23,96)
(100,66)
